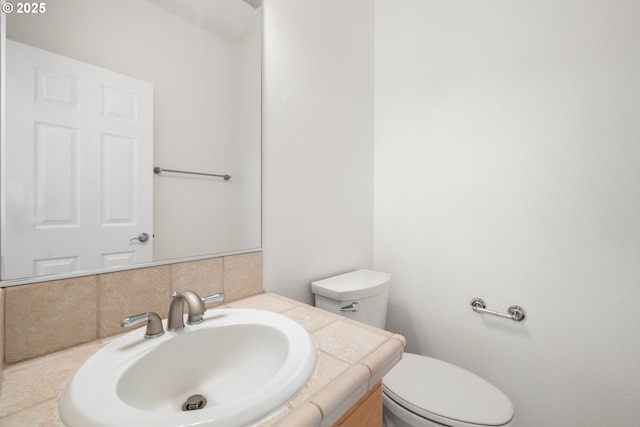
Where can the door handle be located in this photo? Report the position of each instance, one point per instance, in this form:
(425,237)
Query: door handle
(143,237)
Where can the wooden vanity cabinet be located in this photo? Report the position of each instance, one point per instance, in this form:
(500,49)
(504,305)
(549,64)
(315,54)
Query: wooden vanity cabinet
(367,412)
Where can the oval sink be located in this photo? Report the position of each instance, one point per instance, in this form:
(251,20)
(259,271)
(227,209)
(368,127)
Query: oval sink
(236,367)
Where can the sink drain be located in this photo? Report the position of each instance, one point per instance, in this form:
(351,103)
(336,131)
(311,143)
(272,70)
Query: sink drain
(197,401)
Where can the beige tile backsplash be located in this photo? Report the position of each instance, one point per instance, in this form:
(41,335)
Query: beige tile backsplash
(50,316)
(130,292)
(45,317)
(204,277)
(239,279)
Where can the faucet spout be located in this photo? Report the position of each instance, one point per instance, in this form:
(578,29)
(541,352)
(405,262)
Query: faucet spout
(175,320)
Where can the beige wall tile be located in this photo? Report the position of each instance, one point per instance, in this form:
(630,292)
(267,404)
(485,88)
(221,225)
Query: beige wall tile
(204,277)
(47,317)
(242,275)
(126,293)
(50,316)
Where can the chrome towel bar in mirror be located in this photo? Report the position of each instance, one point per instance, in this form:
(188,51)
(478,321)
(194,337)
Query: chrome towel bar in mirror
(158,170)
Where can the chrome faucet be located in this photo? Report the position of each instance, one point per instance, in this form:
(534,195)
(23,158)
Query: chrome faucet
(154,323)
(175,320)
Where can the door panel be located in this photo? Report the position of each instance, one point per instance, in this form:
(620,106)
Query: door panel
(67,120)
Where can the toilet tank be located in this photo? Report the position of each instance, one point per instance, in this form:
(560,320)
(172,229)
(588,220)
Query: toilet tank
(360,295)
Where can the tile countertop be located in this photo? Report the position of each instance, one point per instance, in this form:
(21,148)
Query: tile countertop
(353,358)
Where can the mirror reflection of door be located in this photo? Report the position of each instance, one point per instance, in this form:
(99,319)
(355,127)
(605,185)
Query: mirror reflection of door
(68,120)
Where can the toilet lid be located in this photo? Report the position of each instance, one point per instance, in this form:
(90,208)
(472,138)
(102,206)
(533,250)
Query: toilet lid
(443,392)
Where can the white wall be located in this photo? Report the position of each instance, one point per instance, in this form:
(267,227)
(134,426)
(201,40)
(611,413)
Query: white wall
(317,141)
(507,167)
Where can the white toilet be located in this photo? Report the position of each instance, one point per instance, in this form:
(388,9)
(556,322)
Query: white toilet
(419,391)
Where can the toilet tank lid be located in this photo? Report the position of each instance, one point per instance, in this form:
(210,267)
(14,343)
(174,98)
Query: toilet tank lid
(354,285)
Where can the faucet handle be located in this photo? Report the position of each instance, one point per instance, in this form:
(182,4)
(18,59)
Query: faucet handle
(154,323)
(212,299)
(208,300)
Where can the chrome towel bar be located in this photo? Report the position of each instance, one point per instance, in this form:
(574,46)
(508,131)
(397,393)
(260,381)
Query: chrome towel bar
(158,170)
(515,312)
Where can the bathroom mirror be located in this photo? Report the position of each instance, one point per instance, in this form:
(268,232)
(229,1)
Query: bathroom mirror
(98,95)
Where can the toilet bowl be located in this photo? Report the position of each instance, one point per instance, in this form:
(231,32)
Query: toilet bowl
(419,391)
(423,391)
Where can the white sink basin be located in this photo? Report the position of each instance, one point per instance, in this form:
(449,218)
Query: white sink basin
(246,364)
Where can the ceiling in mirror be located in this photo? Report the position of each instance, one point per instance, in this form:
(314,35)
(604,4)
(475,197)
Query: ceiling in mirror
(213,16)
(98,94)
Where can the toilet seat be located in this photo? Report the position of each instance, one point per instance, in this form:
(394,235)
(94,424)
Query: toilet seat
(445,393)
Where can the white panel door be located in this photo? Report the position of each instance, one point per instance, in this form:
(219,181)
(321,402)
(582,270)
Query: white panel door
(79,166)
